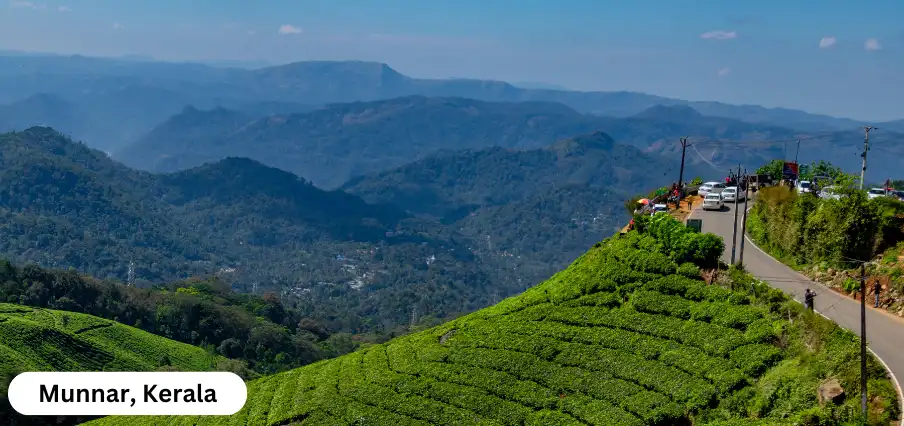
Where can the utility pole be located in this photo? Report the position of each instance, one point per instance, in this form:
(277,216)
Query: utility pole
(684,146)
(797,152)
(744,220)
(865,149)
(734,236)
(863,336)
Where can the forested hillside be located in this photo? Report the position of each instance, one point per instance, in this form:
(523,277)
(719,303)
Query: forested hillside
(343,260)
(629,334)
(544,206)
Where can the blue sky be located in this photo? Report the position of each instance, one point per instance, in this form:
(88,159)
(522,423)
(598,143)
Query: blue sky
(837,57)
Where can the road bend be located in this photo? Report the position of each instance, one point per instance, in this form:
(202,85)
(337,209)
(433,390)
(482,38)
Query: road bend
(884,331)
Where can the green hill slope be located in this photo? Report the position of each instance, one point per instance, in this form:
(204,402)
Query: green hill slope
(629,334)
(35,339)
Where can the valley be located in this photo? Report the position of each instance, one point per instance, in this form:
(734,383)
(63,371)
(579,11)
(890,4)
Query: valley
(364,246)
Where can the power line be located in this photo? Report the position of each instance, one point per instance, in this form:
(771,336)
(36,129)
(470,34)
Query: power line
(777,142)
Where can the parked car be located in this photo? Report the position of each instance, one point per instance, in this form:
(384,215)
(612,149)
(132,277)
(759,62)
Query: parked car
(804,186)
(660,208)
(713,202)
(875,193)
(729,194)
(829,193)
(710,187)
(900,194)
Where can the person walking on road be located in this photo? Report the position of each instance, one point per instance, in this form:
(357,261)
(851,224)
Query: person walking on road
(808,299)
(877,288)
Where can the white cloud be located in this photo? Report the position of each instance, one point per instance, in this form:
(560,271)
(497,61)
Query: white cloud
(719,35)
(723,72)
(827,42)
(21,4)
(117,26)
(289,29)
(872,44)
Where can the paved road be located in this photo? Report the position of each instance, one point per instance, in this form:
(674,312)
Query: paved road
(885,332)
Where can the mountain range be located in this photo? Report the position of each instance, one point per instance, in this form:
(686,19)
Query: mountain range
(137,95)
(66,205)
(335,143)
(261,228)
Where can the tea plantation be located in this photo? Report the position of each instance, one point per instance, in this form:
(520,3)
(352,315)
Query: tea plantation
(629,334)
(34,339)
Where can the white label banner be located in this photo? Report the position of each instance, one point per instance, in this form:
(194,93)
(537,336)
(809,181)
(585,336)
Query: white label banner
(127,393)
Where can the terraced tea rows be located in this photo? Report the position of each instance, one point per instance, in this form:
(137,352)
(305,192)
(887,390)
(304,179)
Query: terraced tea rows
(624,336)
(33,339)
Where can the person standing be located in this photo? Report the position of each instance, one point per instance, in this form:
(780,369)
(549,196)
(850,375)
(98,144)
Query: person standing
(808,299)
(877,288)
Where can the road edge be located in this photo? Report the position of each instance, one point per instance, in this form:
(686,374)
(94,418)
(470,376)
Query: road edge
(891,373)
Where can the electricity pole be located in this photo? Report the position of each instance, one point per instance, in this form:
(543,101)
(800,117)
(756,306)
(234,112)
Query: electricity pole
(734,236)
(798,151)
(863,334)
(684,146)
(865,149)
(744,220)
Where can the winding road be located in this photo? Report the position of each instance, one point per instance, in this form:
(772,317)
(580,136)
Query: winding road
(884,331)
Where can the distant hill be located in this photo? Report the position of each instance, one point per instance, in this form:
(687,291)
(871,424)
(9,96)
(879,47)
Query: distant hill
(895,126)
(627,335)
(544,205)
(145,93)
(65,205)
(330,145)
(335,143)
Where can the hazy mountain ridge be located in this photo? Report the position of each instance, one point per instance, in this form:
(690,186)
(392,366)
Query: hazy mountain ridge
(80,80)
(330,145)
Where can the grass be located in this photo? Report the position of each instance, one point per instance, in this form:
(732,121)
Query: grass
(34,339)
(624,336)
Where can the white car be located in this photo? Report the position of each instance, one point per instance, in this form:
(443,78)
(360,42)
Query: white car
(875,193)
(713,202)
(710,187)
(804,186)
(829,193)
(729,194)
(660,208)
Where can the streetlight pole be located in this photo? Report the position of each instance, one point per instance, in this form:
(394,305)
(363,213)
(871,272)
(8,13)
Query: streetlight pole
(734,236)
(744,220)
